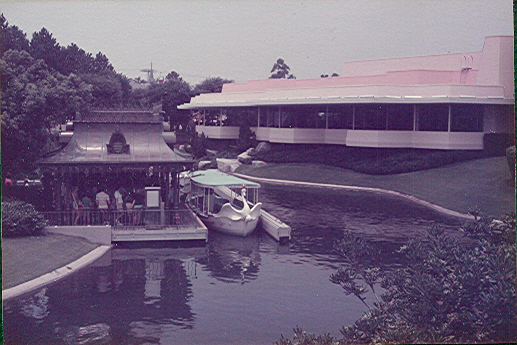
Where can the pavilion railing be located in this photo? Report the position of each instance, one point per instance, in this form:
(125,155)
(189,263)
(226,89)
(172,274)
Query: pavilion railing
(124,219)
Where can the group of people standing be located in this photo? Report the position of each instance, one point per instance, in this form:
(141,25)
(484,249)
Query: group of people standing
(95,206)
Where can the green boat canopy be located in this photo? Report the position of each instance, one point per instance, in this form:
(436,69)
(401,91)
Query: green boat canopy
(211,178)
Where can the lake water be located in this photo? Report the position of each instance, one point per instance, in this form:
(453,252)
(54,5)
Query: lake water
(230,291)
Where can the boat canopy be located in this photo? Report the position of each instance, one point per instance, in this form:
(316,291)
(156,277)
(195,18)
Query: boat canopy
(212,178)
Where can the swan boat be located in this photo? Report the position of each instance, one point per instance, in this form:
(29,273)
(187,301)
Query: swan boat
(223,201)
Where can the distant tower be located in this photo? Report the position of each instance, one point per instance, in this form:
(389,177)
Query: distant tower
(150,77)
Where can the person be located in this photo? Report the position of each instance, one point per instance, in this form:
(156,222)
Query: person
(130,203)
(7,180)
(138,206)
(119,203)
(102,200)
(87,208)
(171,196)
(76,205)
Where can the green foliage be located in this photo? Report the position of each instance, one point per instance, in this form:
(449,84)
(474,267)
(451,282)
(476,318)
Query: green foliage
(303,338)
(210,85)
(366,160)
(445,291)
(34,100)
(198,145)
(20,219)
(247,138)
(280,70)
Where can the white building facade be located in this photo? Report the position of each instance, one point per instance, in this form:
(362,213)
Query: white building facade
(449,101)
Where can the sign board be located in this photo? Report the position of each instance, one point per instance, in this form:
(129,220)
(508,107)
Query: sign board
(152,197)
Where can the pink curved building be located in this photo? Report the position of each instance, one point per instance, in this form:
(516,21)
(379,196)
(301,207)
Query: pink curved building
(448,101)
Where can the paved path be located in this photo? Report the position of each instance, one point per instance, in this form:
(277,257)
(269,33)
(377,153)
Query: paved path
(55,275)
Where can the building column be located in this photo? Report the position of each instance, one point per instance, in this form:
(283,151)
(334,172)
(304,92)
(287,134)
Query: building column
(279,118)
(258,116)
(167,188)
(353,116)
(204,117)
(449,119)
(220,117)
(414,117)
(327,117)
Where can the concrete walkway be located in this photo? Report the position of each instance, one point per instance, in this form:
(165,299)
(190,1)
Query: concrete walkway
(56,274)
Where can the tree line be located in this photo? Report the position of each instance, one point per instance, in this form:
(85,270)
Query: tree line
(44,84)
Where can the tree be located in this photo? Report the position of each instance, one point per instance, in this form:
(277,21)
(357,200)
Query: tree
(44,46)
(280,70)
(11,37)
(442,293)
(210,85)
(34,100)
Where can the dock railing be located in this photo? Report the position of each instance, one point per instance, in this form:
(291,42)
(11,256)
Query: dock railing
(123,219)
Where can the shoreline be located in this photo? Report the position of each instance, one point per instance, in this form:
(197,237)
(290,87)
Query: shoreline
(56,274)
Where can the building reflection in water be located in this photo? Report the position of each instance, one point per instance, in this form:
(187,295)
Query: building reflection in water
(128,296)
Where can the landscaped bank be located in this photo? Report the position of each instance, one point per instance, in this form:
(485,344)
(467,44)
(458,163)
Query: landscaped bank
(485,184)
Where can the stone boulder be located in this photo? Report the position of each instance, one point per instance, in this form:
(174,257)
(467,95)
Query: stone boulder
(202,165)
(258,164)
(262,147)
(227,165)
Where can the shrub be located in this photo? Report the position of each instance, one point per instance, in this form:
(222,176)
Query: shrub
(21,219)
(443,292)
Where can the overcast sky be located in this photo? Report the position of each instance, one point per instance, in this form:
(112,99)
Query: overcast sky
(241,40)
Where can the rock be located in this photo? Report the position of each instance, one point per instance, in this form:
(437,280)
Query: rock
(262,147)
(258,164)
(202,165)
(226,165)
(211,152)
(244,160)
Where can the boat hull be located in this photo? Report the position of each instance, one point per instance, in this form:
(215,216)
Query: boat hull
(229,226)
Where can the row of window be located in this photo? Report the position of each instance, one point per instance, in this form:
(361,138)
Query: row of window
(403,117)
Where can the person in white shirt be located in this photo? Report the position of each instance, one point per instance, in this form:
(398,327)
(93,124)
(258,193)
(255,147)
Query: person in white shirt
(102,200)
(119,201)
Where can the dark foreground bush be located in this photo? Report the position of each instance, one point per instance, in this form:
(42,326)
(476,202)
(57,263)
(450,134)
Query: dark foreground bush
(444,292)
(21,219)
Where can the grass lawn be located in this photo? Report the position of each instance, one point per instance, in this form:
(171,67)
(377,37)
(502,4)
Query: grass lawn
(483,183)
(26,258)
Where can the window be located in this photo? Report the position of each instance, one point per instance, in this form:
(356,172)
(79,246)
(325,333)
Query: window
(466,118)
(340,116)
(400,117)
(433,117)
(370,116)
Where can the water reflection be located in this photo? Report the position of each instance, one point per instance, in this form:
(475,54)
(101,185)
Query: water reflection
(232,290)
(233,259)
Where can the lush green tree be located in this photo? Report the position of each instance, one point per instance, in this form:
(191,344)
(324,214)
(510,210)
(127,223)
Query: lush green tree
(11,37)
(280,70)
(210,85)
(34,99)
(44,46)
(443,292)
(75,60)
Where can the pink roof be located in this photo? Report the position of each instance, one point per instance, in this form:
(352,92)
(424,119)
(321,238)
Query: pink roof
(486,67)
(482,77)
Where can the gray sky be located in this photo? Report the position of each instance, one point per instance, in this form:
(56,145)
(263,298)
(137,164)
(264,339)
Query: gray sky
(241,40)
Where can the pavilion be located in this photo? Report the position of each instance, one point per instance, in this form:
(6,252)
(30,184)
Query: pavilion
(457,101)
(111,149)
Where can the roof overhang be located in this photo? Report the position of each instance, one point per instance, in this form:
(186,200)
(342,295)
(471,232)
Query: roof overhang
(408,94)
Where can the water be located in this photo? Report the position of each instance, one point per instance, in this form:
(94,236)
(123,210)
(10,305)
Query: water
(231,291)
